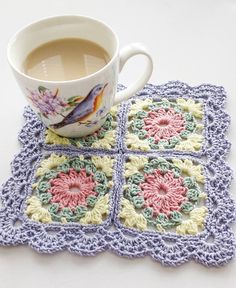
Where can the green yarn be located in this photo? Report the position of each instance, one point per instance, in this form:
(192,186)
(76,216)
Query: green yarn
(141,133)
(43,186)
(165,104)
(80,211)
(188,116)
(50,174)
(142,114)
(190,126)
(175,170)
(45,197)
(177,109)
(89,140)
(174,141)
(176,217)
(107,124)
(148,213)
(77,164)
(53,210)
(68,214)
(100,177)
(160,163)
(187,207)
(189,182)
(137,124)
(73,141)
(138,201)
(184,134)
(101,133)
(133,190)
(90,168)
(148,168)
(65,167)
(163,220)
(193,194)
(136,178)
(91,200)
(101,189)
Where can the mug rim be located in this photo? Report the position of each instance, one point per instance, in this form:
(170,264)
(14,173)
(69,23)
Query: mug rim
(12,39)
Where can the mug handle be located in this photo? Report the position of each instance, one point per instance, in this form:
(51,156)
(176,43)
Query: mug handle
(126,53)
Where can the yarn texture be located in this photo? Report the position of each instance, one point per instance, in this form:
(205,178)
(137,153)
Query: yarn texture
(152,181)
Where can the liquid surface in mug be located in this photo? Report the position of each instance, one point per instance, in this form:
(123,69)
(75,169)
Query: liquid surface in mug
(65,59)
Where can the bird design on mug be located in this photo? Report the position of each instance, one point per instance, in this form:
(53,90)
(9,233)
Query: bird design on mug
(85,108)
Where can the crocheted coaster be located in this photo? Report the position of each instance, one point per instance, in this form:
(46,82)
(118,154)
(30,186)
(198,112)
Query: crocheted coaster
(151,181)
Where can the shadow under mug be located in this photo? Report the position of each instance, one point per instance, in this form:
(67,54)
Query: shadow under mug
(97,91)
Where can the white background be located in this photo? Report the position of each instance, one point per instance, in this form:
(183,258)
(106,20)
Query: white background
(192,41)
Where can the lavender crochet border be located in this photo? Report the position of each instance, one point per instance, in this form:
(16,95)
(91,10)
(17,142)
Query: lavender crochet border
(169,248)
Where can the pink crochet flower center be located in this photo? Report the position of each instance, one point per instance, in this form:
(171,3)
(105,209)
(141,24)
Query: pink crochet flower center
(162,192)
(72,189)
(163,124)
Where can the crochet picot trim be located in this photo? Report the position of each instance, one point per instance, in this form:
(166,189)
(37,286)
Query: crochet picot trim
(152,181)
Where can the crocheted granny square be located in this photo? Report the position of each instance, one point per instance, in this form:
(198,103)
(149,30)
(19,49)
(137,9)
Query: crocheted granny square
(152,181)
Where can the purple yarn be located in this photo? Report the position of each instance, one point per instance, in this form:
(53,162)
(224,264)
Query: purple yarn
(169,248)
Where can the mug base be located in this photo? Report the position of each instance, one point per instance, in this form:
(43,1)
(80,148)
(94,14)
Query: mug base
(72,131)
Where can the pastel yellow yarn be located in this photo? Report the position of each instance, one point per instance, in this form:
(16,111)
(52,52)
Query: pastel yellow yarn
(193,225)
(95,216)
(134,143)
(52,162)
(202,195)
(130,217)
(192,143)
(187,166)
(191,106)
(53,138)
(114,110)
(36,212)
(134,165)
(138,106)
(160,229)
(199,127)
(104,163)
(107,142)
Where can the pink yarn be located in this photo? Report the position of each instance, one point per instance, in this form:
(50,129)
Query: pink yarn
(163,192)
(62,185)
(163,124)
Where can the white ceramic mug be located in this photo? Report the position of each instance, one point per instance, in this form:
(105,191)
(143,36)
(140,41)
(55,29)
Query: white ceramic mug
(93,95)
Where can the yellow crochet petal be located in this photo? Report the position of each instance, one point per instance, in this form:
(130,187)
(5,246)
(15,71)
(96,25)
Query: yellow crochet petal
(187,227)
(160,229)
(114,110)
(36,212)
(134,165)
(134,143)
(192,143)
(198,215)
(107,142)
(139,105)
(199,127)
(130,217)
(52,138)
(191,106)
(52,162)
(187,166)
(195,224)
(96,215)
(104,163)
